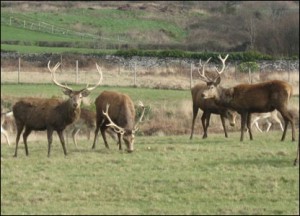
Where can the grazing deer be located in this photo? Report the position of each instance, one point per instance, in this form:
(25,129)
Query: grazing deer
(40,114)
(119,115)
(208,106)
(4,117)
(250,98)
(266,116)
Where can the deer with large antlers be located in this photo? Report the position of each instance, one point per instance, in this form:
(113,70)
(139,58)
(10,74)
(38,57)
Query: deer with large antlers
(250,98)
(116,111)
(38,114)
(208,106)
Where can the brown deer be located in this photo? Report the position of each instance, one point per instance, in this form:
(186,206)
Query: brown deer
(268,117)
(53,114)
(208,106)
(119,115)
(250,98)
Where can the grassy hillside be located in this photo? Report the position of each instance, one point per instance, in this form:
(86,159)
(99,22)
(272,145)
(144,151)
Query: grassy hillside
(185,25)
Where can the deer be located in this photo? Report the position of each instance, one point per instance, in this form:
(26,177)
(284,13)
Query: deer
(119,115)
(87,121)
(252,98)
(267,116)
(4,117)
(208,106)
(39,114)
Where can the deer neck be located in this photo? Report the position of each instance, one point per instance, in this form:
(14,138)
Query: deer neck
(225,96)
(69,112)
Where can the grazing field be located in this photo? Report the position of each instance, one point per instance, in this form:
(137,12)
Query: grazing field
(165,175)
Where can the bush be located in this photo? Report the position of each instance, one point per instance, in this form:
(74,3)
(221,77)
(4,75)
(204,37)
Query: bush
(245,66)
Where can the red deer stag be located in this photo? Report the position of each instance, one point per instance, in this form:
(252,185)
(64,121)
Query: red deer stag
(250,98)
(208,106)
(40,114)
(119,115)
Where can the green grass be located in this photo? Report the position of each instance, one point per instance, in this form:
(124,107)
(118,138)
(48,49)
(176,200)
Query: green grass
(40,50)
(11,33)
(165,175)
(109,23)
(147,95)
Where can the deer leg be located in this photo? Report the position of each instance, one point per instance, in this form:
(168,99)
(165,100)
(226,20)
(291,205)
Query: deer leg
(249,125)
(258,128)
(255,121)
(119,141)
(205,123)
(96,134)
(288,117)
(297,156)
(223,124)
(243,124)
(25,135)
(195,112)
(102,129)
(4,132)
(49,137)
(88,133)
(62,141)
(20,128)
(74,134)
(279,122)
(269,125)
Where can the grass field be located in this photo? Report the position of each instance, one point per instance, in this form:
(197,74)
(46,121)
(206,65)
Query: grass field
(165,175)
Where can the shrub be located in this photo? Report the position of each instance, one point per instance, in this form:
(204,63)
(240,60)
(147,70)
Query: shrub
(245,66)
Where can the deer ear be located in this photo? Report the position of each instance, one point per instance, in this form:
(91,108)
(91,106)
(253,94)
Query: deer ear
(85,93)
(67,92)
(217,81)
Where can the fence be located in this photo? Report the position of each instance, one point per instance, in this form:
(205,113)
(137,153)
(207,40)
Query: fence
(142,72)
(41,26)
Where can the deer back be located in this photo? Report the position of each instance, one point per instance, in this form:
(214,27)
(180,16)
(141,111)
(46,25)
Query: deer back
(259,97)
(121,110)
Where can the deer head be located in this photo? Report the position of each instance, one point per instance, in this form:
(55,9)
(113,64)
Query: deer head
(211,83)
(127,134)
(75,97)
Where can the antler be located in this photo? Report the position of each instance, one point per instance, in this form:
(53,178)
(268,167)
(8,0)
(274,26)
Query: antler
(202,74)
(115,127)
(53,76)
(143,107)
(223,63)
(100,80)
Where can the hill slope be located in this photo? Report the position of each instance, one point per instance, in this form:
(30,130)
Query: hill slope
(193,26)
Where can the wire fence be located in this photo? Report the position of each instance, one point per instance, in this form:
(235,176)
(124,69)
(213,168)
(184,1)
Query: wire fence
(42,26)
(173,74)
